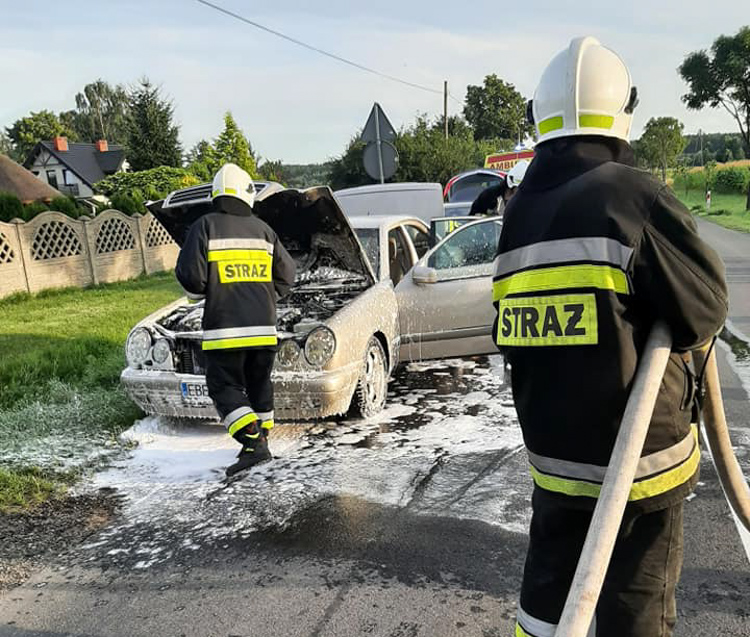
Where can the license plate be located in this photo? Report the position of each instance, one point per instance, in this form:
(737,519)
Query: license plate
(194,390)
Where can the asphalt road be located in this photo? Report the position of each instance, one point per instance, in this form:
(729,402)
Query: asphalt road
(413,523)
(734,248)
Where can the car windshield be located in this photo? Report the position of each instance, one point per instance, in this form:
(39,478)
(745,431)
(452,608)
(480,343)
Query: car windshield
(369,238)
(469,187)
(457,210)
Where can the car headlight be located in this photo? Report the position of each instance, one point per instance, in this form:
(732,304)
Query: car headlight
(288,354)
(320,346)
(162,351)
(138,346)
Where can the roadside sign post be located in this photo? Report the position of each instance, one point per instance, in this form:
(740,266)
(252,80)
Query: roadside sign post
(380,157)
(378,141)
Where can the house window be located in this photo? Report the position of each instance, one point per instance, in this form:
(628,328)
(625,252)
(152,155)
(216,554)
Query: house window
(68,178)
(52,178)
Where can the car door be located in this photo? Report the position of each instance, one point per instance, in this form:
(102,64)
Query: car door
(445,301)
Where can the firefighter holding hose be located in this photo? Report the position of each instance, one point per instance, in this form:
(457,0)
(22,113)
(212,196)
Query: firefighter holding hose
(593,252)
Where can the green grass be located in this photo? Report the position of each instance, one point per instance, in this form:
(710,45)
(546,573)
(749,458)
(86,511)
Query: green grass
(726,210)
(24,489)
(73,335)
(62,354)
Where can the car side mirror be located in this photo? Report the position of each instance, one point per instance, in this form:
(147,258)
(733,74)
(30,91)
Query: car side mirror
(423,275)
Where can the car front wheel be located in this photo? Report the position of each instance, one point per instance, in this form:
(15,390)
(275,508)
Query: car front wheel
(369,397)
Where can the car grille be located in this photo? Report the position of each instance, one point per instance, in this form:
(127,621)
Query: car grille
(189,357)
(192,195)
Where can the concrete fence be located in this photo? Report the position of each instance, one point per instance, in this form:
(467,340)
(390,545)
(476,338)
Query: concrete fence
(53,250)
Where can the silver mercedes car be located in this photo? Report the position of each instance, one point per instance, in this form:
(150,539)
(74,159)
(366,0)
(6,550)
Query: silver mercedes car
(369,293)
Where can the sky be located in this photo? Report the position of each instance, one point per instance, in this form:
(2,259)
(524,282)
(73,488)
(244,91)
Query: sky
(299,106)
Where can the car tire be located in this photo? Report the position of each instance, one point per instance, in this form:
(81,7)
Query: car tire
(372,387)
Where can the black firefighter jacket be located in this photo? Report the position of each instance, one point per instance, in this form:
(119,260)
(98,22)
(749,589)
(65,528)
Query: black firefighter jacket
(238,263)
(592,253)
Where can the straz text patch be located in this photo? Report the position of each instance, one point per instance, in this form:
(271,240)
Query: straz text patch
(242,266)
(548,320)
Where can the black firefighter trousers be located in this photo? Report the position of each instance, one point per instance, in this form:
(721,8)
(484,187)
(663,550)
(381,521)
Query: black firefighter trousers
(638,596)
(239,383)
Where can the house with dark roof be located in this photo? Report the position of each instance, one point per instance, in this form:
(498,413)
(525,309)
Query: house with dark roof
(73,168)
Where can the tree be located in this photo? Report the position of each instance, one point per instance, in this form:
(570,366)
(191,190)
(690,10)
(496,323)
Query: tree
(231,146)
(201,160)
(661,143)
(722,79)
(6,145)
(272,170)
(152,136)
(424,154)
(348,170)
(26,132)
(681,176)
(496,109)
(101,113)
(205,158)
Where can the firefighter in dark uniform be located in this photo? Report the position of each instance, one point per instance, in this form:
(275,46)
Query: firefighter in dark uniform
(238,263)
(492,200)
(592,253)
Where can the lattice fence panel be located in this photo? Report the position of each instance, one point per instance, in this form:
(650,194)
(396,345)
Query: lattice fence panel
(6,252)
(114,235)
(157,235)
(54,240)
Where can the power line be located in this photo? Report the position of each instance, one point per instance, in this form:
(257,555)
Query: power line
(316,49)
(455,99)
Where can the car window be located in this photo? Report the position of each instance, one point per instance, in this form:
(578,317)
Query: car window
(443,226)
(469,251)
(419,238)
(457,209)
(399,259)
(370,240)
(469,187)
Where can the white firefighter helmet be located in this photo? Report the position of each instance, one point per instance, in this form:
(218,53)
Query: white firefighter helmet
(585,90)
(514,177)
(232,181)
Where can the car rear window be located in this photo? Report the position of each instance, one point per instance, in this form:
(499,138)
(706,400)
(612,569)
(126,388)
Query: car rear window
(468,188)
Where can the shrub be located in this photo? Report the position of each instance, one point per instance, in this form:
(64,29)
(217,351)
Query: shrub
(129,203)
(732,179)
(66,205)
(158,181)
(10,207)
(692,180)
(31,210)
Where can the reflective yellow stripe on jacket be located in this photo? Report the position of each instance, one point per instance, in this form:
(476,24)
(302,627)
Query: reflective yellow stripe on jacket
(657,473)
(237,337)
(538,290)
(562,277)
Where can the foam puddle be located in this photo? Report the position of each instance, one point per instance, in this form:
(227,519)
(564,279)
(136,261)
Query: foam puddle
(443,446)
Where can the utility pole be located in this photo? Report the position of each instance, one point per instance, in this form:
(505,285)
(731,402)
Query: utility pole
(445,107)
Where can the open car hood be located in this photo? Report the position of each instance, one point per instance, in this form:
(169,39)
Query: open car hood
(310,224)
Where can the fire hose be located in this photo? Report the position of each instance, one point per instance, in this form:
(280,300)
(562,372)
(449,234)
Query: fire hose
(605,524)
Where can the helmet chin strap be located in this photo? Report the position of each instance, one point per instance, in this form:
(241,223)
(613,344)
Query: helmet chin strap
(633,101)
(530,112)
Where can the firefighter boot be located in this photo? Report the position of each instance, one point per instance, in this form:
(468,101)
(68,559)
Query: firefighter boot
(265,427)
(254,449)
